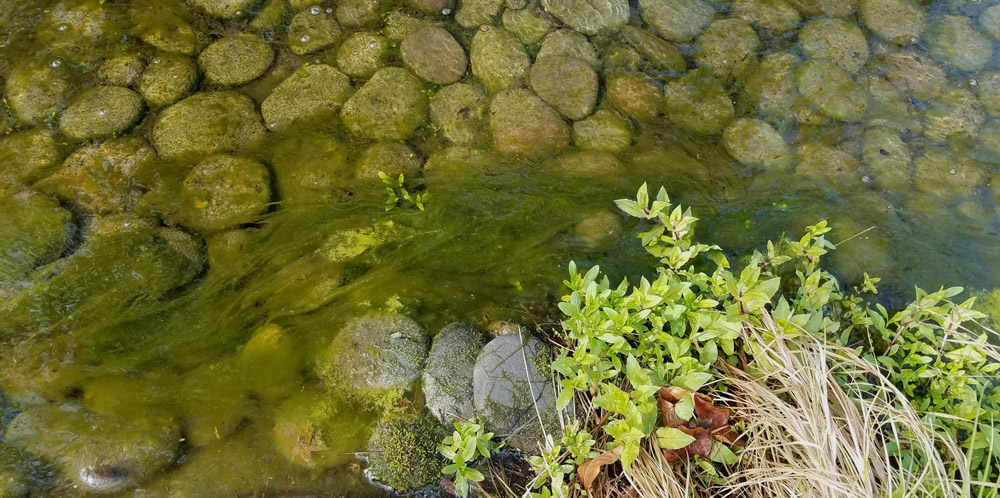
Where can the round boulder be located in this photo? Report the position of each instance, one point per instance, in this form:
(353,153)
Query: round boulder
(755,143)
(123,70)
(101,111)
(566,83)
(235,60)
(829,89)
(314,92)
(637,95)
(954,41)
(458,110)
(677,20)
(522,123)
(589,16)
(390,106)
(447,378)
(167,79)
(35,92)
(697,102)
(361,54)
(837,40)
(887,158)
(207,123)
(728,48)
(434,55)
(567,43)
(224,191)
(899,21)
(499,59)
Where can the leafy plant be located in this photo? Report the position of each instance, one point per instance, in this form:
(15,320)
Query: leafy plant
(466,444)
(399,194)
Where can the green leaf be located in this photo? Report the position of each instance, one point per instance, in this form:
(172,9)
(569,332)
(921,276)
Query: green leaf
(721,453)
(672,439)
(685,407)
(692,381)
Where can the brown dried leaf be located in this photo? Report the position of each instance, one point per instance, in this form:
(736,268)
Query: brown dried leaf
(673,394)
(670,418)
(707,411)
(702,445)
(727,435)
(589,470)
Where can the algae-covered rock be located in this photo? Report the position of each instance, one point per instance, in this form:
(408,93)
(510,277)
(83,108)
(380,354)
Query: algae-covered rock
(271,18)
(399,24)
(390,106)
(354,14)
(770,87)
(476,13)
(887,158)
(34,230)
(828,164)
(391,158)
(36,92)
(434,55)
(169,78)
(898,21)
(661,54)
(312,30)
(376,358)
(512,389)
(17,479)
(589,17)
(988,145)
(75,27)
(829,89)
(727,48)
(892,107)
(947,175)
(697,102)
(100,177)
(226,9)
(362,54)
(955,114)
(351,243)
(308,166)
(637,95)
(568,43)
(987,87)
(776,16)
(459,111)
(101,111)
(27,156)
(604,130)
(316,430)
(912,72)
(499,59)
(620,57)
(677,20)
(598,228)
(837,40)
(314,92)
(833,8)
(526,24)
(566,83)
(403,453)
(954,41)
(755,143)
(447,377)
(166,25)
(207,123)
(989,20)
(432,7)
(124,70)
(235,60)
(589,162)
(522,123)
(224,191)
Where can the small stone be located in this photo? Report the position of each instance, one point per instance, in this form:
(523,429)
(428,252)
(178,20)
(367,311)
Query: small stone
(955,114)
(235,60)
(459,112)
(605,130)
(887,157)
(728,48)
(308,33)
(207,123)
(226,9)
(390,106)
(83,119)
(312,93)
(677,20)
(697,102)
(755,143)
(637,95)
(168,79)
(362,54)
(831,90)
(499,60)
(447,377)
(27,156)
(526,24)
(36,92)
(568,84)
(661,54)
(836,40)
(522,123)
(434,55)
(568,43)
(121,71)
(828,164)
(224,191)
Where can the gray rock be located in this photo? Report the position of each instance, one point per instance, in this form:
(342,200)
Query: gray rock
(227,9)
(101,111)
(362,54)
(458,111)
(224,191)
(313,92)
(235,60)
(589,16)
(100,178)
(311,32)
(434,55)
(476,13)
(677,20)
(566,83)
(522,123)
(390,106)
(207,123)
(447,378)
(513,392)
(499,59)
(167,79)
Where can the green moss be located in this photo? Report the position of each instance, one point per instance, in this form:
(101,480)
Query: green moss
(403,453)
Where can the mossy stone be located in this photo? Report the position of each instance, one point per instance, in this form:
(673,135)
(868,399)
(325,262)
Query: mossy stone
(887,158)
(101,111)
(637,95)
(447,377)
(311,31)
(526,24)
(27,156)
(589,17)
(522,123)
(36,93)
(987,88)
(955,114)
(318,431)
(954,41)
(362,54)
(697,102)
(755,143)
(829,89)
(837,40)
(308,167)
(947,175)
(166,25)
(776,16)
(567,84)
(403,453)
(677,20)
(598,228)
(224,191)
(271,18)
(989,20)
(829,165)
(124,70)
(661,54)
(568,43)
(100,177)
(312,93)
(727,48)
(16,479)
(399,24)
(34,230)
(476,13)
(899,21)
(354,14)
(207,123)
(434,55)
(604,130)
(770,87)
(912,72)
(432,7)
(390,106)
(499,59)
(235,60)
(167,79)
(459,111)
(833,8)
(391,158)
(226,9)
(589,162)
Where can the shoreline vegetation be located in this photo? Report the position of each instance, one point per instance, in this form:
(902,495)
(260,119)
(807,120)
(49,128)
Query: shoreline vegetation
(764,377)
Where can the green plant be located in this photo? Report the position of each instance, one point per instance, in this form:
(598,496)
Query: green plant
(466,444)
(398,193)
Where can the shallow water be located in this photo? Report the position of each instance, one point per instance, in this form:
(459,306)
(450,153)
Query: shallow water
(102,330)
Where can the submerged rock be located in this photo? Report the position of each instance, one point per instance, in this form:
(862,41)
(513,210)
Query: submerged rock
(955,114)
(661,54)
(447,377)
(391,158)
(311,32)
(771,86)
(522,123)
(235,60)
(912,72)
(390,106)
(528,25)
(605,130)
(312,93)
(598,228)
(459,111)
(566,83)
(207,123)
(773,15)
(124,70)
(697,102)
(728,48)
(499,59)
(837,40)
(166,25)
(27,156)
(101,111)
(36,93)
(677,20)
(434,55)
(227,9)
(308,166)
(318,431)
(169,78)
(887,158)
(833,8)
(589,17)
(831,90)
(354,14)
(568,43)
(954,41)
(942,173)
(34,230)
(637,95)
(224,191)
(899,21)
(362,54)
(989,20)
(830,165)
(755,143)
(16,473)
(988,90)
(476,13)
(403,454)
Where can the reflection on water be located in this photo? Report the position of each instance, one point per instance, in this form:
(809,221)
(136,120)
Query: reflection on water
(191,204)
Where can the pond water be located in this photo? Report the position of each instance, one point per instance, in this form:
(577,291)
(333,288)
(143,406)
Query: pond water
(173,274)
